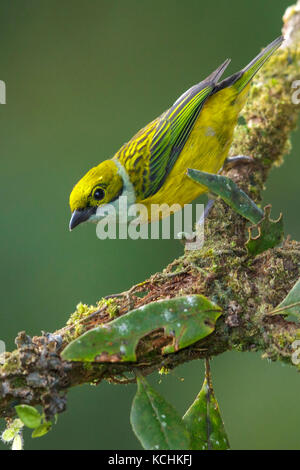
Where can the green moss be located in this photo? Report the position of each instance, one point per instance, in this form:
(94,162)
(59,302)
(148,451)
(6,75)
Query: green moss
(270,113)
(111,306)
(12,363)
(164,371)
(82,311)
(18,382)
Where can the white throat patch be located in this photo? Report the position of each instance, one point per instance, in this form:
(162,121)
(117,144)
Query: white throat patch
(128,189)
(128,192)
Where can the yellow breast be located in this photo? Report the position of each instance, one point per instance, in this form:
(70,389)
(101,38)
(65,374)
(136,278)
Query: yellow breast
(206,148)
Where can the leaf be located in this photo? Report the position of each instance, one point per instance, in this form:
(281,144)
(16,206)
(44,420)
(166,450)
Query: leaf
(203,420)
(230,193)
(155,422)
(270,233)
(42,429)
(29,415)
(8,435)
(13,428)
(187,319)
(290,305)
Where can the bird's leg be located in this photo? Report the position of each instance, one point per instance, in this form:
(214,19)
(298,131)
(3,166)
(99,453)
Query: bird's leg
(230,162)
(196,243)
(235,160)
(208,208)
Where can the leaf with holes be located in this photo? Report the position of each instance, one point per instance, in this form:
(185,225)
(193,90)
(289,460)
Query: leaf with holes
(186,319)
(155,422)
(230,193)
(270,233)
(203,421)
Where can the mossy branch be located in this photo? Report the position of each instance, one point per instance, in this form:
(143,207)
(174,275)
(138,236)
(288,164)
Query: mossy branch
(246,288)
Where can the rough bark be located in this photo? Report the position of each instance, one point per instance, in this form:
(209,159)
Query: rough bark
(246,288)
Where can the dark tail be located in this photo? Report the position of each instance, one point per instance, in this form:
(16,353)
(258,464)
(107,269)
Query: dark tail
(240,79)
(216,75)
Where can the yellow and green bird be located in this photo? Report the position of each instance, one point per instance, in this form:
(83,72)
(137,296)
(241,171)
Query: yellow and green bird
(196,132)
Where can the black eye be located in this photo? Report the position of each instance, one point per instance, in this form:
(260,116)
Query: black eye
(99,194)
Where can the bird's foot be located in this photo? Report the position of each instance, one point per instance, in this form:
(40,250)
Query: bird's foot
(230,162)
(196,241)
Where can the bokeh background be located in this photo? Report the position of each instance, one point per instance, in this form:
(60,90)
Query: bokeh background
(82,77)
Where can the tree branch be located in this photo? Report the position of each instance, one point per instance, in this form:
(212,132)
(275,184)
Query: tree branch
(246,288)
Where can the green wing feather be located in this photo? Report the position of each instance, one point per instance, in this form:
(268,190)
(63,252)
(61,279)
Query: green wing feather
(170,138)
(174,127)
(177,123)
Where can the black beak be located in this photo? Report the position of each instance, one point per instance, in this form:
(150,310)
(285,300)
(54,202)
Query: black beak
(81,215)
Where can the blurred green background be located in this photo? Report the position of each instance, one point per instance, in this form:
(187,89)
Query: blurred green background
(82,77)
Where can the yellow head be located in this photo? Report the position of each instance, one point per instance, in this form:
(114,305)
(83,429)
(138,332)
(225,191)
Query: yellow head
(101,185)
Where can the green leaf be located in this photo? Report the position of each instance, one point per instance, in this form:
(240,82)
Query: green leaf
(8,435)
(42,429)
(17,443)
(187,319)
(203,420)
(155,422)
(270,234)
(12,430)
(230,193)
(290,305)
(29,415)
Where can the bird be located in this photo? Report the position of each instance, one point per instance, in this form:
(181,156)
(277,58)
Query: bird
(151,169)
